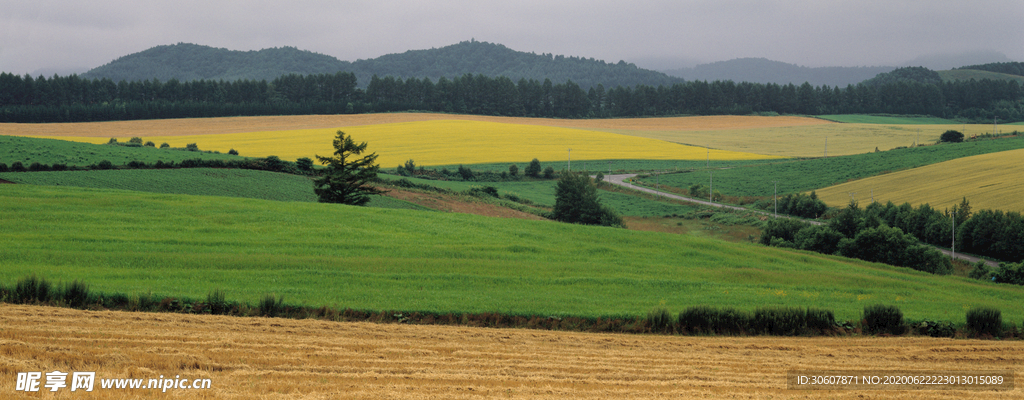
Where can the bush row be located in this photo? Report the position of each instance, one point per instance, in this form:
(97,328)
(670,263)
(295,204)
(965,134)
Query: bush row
(983,322)
(302,166)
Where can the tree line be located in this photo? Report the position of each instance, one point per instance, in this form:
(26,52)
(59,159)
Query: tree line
(893,234)
(74,99)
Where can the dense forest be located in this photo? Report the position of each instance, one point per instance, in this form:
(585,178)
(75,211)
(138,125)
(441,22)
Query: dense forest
(912,91)
(189,62)
(1012,68)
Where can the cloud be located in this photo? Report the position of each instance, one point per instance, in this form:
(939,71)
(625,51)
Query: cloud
(50,33)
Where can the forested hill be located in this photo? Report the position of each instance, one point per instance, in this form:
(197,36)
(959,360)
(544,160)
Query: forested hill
(188,62)
(762,70)
(1012,68)
(192,62)
(493,60)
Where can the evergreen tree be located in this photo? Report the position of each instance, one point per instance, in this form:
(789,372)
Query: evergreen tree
(576,202)
(347,177)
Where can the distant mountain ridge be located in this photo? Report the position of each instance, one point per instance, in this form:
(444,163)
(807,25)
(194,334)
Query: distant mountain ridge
(763,70)
(186,62)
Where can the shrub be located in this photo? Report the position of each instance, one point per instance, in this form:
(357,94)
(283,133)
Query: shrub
(192,147)
(780,321)
(659,320)
(270,305)
(820,319)
(985,321)
(32,289)
(304,164)
(3,167)
(951,136)
(38,167)
(513,170)
(17,166)
(164,145)
(216,301)
(150,144)
(883,319)
(465,172)
(706,319)
(105,164)
(59,167)
(76,294)
(112,141)
(549,173)
(233,152)
(533,169)
(136,164)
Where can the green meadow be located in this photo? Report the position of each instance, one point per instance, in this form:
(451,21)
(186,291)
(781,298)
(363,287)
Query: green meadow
(387,259)
(52,151)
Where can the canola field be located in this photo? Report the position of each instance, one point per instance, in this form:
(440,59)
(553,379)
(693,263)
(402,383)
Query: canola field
(989,181)
(446,142)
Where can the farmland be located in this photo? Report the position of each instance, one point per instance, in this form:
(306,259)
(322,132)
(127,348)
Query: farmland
(807,175)
(989,181)
(267,357)
(438,142)
(383,259)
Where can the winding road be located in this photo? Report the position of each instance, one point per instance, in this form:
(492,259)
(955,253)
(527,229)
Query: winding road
(620,180)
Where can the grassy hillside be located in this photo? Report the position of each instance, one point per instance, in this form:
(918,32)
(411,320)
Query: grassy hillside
(989,181)
(322,254)
(807,175)
(28,150)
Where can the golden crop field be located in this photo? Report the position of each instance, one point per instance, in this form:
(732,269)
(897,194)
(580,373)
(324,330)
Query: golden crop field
(783,136)
(439,142)
(809,140)
(989,181)
(263,358)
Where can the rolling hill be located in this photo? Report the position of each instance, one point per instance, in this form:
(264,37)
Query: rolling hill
(184,62)
(762,70)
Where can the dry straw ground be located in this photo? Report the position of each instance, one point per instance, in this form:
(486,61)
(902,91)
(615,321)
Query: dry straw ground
(266,358)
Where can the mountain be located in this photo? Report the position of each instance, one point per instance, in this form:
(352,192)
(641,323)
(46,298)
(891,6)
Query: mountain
(193,62)
(762,70)
(188,62)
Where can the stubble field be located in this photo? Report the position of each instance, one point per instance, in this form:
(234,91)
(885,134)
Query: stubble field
(266,358)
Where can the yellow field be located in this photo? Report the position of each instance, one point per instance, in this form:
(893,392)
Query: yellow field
(809,140)
(438,142)
(508,139)
(989,181)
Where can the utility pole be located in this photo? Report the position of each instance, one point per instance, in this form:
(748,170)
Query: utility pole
(953,246)
(570,160)
(775,198)
(711,190)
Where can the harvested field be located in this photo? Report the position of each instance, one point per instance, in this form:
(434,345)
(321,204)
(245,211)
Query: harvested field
(277,358)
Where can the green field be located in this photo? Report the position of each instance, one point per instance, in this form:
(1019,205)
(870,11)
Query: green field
(382,259)
(807,175)
(52,151)
(542,193)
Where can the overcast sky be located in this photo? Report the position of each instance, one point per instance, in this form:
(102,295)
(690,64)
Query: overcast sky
(71,34)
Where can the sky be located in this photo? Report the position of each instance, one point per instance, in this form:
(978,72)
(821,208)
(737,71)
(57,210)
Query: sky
(74,35)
